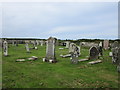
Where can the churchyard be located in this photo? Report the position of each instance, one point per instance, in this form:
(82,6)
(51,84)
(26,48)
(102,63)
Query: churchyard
(57,66)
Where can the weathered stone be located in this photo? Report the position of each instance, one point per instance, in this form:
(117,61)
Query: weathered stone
(100,44)
(27,47)
(5,48)
(74,58)
(74,49)
(33,58)
(115,55)
(37,42)
(106,44)
(100,49)
(34,44)
(115,44)
(67,44)
(20,60)
(93,52)
(64,56)
(1,43)
(41,42)
(88,44)
(95,62)
(50,50)
(81,60)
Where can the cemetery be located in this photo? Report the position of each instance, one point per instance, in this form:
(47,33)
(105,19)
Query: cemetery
(53,63)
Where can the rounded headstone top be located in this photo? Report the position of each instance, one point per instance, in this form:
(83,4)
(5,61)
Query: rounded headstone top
(52,38)
(115,44)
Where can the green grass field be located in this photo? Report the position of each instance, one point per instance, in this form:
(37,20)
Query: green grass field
(63,74)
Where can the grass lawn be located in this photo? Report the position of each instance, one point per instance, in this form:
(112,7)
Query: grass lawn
(63,74)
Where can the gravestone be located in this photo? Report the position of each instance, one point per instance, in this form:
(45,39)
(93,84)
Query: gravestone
(5,48)
(74,48)
(41,42)
(93,52)
(13,43)
(106,44)
(34,44)
(118,66)
(115,47)
(16,43)
(67,44)
(0,43)
(75,52)
(100,49)
(74,58)
(116,57)
(71,47)
(115,44)
(116,54)
(27,47)
(37,42)
(50,50)
(100,44)
(95,62)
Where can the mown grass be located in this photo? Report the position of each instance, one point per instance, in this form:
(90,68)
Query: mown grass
(63,74)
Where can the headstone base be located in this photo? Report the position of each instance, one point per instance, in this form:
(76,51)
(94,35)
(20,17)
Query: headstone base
(49,60)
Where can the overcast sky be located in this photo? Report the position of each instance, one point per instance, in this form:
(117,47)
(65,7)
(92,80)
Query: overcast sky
(88,20)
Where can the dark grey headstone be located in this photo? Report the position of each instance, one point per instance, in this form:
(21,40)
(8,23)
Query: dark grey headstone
(94,53)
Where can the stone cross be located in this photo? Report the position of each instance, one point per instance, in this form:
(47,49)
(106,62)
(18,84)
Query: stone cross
(93,52)
(5,48)
(50,50)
